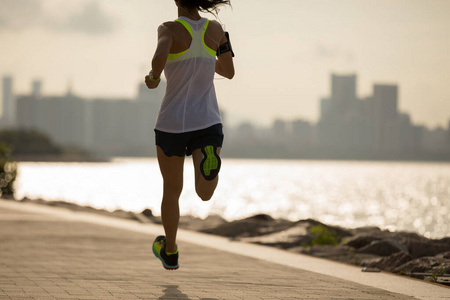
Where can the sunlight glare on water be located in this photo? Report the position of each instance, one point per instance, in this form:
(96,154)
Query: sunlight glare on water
(392,195)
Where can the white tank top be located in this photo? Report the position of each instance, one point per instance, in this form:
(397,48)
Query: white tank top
(190,101)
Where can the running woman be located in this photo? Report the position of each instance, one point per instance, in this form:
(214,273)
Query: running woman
(189,121)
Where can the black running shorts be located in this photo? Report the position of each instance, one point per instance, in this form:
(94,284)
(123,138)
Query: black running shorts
(182,144)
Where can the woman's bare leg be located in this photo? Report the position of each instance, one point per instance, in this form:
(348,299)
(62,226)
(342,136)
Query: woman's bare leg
(172,173)
(204,188)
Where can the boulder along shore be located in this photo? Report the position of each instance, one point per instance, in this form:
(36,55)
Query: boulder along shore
(373,249)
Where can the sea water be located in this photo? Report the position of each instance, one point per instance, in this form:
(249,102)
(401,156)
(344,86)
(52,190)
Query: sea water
(411,196)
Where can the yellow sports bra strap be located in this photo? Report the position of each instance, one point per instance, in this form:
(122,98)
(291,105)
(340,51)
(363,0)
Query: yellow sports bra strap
(211,51)
(186,25)
(188,28)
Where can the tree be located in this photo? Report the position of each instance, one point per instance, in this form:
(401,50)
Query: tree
(26,142)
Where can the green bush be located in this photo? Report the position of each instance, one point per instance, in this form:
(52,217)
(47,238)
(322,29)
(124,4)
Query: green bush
(8,172)
(323,235)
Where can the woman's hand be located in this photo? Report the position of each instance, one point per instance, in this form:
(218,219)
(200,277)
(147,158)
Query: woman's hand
(151,84)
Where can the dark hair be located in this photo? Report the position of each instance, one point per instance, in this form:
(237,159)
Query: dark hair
(204,5)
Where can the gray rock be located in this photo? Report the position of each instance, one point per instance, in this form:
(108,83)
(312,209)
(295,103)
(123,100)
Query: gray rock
(370,261)
(147,212)
(367,229)
(252,226)
(445,255)
(261,217)
(197,224)
(340,233)
(384,247)
(445,241)
(425,265)
(408,236)
(366,238)
(392,262)
(360,241)
(295,236)
(431,248)
(123,214)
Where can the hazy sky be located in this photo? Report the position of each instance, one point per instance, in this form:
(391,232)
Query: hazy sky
(285,51)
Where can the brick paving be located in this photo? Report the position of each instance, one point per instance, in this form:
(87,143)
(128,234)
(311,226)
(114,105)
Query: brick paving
(46,257)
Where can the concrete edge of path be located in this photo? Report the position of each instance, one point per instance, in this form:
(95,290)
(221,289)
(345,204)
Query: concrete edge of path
(382,280)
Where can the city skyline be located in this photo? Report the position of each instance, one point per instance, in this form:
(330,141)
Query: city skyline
(350,127)
(284,54)
(36,89)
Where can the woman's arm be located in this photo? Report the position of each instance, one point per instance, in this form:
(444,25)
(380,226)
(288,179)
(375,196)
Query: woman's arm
(224,62)
(165,40)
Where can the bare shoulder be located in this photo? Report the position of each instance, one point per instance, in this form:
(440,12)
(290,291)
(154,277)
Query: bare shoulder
(216,26)
(167,26)
(173,28)
(216,31)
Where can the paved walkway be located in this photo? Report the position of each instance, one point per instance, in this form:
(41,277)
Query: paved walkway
(49,253)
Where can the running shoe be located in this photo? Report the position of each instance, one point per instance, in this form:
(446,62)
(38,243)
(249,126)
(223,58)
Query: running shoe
(210,165)
(170,262)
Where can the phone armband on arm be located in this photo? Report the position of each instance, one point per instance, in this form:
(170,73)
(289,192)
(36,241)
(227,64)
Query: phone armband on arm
(225,47)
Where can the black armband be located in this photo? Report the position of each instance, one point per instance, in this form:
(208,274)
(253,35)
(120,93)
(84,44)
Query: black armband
(225,47)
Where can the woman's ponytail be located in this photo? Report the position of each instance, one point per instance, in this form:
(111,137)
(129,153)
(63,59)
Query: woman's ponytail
(204,5)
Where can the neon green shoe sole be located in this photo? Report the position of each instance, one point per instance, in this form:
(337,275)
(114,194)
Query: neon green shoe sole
(210,165)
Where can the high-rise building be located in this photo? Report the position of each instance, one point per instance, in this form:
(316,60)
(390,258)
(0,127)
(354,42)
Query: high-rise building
(279,127)
(448,134)
(386,119)
(303,132)
(325,108)
(37,88)
(343,92)
(9,105)
(27,108)
(386,102)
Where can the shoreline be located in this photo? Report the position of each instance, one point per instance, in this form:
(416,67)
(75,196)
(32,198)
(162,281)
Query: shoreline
(64,158)
(373,249)
(67,157)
